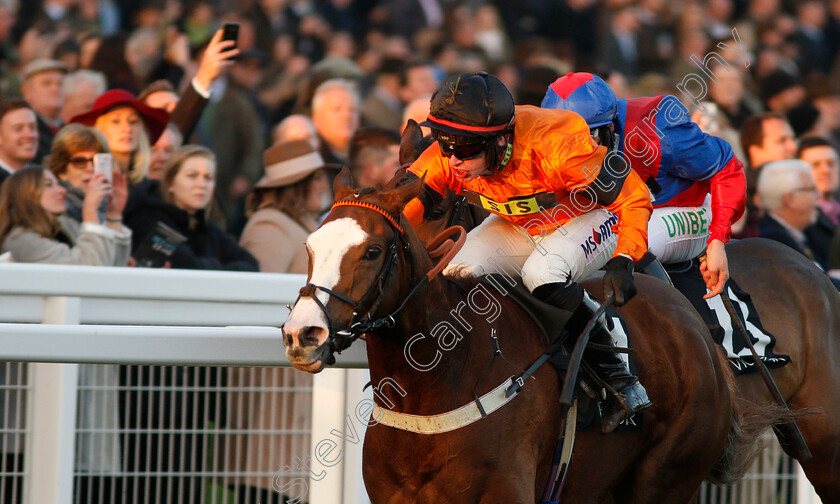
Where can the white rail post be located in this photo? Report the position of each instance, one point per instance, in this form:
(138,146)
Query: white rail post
(359,403)
(51,417)
(328,450)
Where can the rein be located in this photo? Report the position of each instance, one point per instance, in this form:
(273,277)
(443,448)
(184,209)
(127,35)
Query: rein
(340,340)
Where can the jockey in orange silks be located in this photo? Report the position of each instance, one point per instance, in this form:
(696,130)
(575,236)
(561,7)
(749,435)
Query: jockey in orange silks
(563,208)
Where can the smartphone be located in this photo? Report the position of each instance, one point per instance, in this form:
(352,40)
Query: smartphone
(230,31)
(712,113)
(103,163)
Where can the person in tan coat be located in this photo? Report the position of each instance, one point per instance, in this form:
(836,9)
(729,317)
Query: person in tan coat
(284,207)
(275,403)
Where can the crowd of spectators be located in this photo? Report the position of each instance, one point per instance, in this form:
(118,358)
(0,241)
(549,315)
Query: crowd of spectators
(234,145)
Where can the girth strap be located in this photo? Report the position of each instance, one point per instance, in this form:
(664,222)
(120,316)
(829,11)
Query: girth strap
(451,420)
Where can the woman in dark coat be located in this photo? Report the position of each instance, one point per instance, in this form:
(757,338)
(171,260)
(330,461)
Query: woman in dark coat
(180,201)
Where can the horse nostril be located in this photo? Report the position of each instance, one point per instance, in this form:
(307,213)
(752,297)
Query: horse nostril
(309,335)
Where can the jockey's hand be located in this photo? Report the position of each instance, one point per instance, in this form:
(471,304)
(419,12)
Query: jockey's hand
(715,268)
(618,280)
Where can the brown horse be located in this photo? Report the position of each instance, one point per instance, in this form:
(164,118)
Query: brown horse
(432,346)
(801,307)
(797,304)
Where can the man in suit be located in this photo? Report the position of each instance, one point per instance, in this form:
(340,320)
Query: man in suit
(335,114)
(765,138)
(18,136)
(822,156)
(383,108)
(788,197)
(620,48)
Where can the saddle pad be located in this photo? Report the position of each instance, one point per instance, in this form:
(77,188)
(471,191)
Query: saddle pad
(688,279)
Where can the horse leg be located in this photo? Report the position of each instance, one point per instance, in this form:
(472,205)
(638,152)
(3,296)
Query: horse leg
(821,429)
(655,483)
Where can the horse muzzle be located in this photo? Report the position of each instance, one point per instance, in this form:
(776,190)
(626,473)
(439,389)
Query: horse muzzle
(310,359)
(305,336)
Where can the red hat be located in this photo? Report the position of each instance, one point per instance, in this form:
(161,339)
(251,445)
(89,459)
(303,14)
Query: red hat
(155,119)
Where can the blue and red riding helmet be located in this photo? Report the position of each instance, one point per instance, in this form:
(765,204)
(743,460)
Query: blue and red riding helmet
(586,94)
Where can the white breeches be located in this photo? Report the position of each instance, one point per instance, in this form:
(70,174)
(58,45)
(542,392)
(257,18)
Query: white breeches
(571,252)
(679,234)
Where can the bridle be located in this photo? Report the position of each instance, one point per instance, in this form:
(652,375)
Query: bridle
(340,339)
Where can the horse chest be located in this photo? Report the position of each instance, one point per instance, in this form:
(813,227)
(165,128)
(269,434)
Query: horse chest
(422,469)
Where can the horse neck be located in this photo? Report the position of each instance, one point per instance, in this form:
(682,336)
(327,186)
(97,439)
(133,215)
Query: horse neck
(387,354)
(402,355)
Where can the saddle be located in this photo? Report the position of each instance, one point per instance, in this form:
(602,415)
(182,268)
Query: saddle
(550,319)
(552,322)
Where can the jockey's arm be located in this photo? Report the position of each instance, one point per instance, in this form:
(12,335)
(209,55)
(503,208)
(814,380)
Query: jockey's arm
(608,179)
(420,207)
(729,197)
(633,207)
(621,191)
(729,194)
(695,155)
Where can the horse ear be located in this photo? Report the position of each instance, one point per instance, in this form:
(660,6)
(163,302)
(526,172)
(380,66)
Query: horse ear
(412,136)
(344,184)
(404,189)
(399,178)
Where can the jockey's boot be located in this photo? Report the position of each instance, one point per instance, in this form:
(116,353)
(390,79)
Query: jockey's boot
(609,367)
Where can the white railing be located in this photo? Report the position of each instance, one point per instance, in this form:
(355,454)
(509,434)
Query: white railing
(59,316)
(53,316)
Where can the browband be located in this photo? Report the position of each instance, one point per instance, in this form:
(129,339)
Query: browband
(376,208)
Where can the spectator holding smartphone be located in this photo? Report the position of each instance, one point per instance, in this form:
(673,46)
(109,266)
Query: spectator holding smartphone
(34,229)
(71,160)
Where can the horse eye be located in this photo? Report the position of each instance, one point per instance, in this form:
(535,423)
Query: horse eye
(372,253)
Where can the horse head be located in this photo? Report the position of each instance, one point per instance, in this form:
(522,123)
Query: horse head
(354,275)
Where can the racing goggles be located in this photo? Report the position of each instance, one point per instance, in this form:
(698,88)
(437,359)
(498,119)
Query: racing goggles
(462,152)
(462,147)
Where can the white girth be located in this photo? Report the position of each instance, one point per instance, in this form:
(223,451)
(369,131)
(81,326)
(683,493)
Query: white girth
(451,420)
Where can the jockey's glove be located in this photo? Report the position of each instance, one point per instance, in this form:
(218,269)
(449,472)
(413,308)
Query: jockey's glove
(618,279)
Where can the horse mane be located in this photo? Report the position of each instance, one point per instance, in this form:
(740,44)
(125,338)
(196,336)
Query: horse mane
(463,281)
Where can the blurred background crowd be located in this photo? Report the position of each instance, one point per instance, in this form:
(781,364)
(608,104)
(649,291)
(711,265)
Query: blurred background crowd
(235,147)
(728,60)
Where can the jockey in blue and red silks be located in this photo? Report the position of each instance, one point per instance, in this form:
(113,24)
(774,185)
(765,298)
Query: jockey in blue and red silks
(688,172)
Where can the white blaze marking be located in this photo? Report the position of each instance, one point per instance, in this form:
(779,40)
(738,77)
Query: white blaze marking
(328,244)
